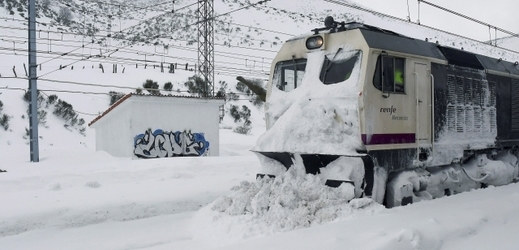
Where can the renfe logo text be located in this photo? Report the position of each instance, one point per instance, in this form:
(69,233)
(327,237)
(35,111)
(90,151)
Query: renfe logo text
(391,110)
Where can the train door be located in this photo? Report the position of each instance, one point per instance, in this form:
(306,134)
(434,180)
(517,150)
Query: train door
(423,104)
(390,113)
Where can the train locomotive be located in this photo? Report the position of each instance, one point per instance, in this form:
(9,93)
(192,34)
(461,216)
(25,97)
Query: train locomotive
(400,119)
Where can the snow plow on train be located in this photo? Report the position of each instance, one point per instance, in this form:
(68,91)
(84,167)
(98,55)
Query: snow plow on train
(399,119)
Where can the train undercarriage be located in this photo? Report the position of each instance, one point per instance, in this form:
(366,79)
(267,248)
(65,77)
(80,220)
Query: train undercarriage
(477,169)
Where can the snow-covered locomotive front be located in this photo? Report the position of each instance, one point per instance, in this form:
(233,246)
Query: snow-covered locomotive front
(368,107)
(312,108)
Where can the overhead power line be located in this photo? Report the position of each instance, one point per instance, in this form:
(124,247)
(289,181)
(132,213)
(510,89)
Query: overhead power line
(228,69)
(100,85)
(226,13)
(219,70)
(406,21)
(471,18)
(119,32)
(18,39)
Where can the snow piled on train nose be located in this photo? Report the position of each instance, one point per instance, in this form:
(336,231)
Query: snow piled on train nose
(316,126)
(315,118)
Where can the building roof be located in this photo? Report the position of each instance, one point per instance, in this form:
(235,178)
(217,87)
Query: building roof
(126,97)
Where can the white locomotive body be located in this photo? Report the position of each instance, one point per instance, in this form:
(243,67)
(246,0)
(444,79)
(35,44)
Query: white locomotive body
(399,118)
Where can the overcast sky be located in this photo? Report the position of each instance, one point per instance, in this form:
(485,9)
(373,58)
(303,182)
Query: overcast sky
(501,13)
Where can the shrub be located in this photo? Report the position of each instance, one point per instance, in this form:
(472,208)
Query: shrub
(168,86)
(138,91)
(220,94)
(245,113)
(231,96)
(197,85)
(151,87)
(1,105)
(42,116)
(45,4)
(65,110)
(4,121)
(242,129)
(222,90)
(52,99)
(235,114)
(115,96)
(27,96)
(73,121)
(256,100)
(64,16)
(238,115)
(41,98)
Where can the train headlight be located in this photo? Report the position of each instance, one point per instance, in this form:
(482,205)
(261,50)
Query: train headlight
(314,42)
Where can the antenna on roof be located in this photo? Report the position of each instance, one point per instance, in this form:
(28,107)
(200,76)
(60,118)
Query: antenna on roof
(329,23)
(332,25)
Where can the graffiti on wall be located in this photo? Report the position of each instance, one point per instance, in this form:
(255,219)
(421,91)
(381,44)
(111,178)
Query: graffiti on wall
(160,144)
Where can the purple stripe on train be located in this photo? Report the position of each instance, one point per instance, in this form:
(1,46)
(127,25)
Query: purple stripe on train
(378,139)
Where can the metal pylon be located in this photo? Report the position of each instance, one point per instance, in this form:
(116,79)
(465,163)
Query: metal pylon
(205,27)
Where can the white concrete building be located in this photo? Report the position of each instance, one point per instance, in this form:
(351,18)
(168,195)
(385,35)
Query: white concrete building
(151,126)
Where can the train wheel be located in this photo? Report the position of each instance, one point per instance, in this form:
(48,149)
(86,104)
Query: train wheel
(406,187)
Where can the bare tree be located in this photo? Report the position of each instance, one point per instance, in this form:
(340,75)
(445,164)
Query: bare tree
(64,16)
(45,4)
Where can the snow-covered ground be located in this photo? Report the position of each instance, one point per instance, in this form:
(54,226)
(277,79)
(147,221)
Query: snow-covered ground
(90,200)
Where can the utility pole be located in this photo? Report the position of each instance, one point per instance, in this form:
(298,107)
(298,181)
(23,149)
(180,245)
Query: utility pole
(205,25)
(33,104)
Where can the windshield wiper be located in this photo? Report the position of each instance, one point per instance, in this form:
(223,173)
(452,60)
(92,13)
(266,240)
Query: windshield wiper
(329,64)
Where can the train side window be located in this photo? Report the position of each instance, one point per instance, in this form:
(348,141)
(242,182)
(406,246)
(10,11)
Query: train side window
(389,74)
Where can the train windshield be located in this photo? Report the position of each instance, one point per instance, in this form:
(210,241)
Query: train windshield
(337,67)
(288,75)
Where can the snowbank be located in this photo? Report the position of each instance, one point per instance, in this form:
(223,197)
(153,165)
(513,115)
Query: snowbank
(269,206)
